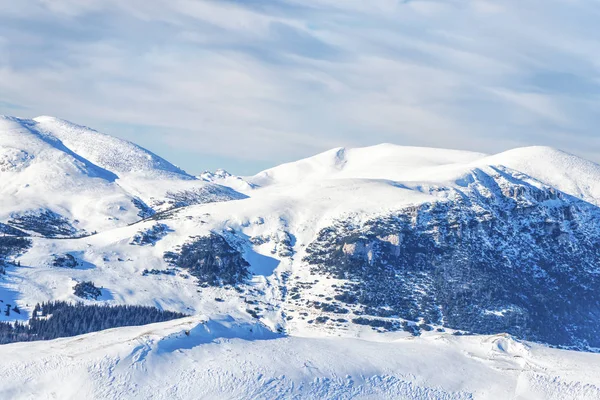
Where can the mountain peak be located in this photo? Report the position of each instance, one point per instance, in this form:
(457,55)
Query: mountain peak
(116,155)
(50,166)
(566,172)
(383,161)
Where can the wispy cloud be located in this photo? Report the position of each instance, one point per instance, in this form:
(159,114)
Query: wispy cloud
(259,82)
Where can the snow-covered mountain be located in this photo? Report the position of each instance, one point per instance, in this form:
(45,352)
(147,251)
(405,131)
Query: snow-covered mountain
(53,170)
(115,155)
(222,177)
(379,245)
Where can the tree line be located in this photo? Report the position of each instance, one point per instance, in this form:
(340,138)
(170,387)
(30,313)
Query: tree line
(57,319)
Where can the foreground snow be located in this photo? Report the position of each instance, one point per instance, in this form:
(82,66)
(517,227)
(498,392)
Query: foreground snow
(225,358)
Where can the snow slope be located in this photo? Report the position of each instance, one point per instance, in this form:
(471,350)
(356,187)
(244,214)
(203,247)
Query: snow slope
(563,171)
(113,154)
(225,358)
(384,161)
(222,177)
(94,181)
(38,172)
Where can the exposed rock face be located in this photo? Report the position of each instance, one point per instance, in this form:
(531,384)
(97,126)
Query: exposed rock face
(206,194)
(212,260)
(281,240)
(150,236)
(12,246)
(9,230)
(144,210)
(45,222)
(87,290)
(500,255)
(64,261)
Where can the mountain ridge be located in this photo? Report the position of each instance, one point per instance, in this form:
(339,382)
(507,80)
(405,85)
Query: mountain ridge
(117,155)
(383,254)
(319,236)
(88,178)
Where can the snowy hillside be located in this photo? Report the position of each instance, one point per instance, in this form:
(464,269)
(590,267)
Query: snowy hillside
(366,252)
(222,177)
(385,161)
(115,155)
(221,358)
(52,170)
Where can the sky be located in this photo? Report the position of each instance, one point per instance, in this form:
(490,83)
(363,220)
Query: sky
(248,84)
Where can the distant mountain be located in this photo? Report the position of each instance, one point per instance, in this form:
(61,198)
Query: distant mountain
(351,242)
(222,177)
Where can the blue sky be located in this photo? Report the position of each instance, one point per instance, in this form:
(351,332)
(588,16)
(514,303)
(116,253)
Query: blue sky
(248,84)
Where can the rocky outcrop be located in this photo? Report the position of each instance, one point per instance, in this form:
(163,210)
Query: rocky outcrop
(11,246)
(46,223)
(64,261)
(202,195)
(149,236)
(499,255)
(87,290)
(9,230)
(211,259)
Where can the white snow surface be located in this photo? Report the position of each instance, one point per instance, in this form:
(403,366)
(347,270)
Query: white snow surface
(565,172)
(85,176)
(222,177)
(51,164)
(228,358)
(113,154)
(385,161)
